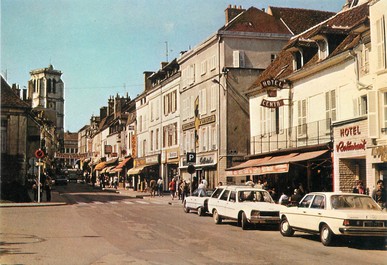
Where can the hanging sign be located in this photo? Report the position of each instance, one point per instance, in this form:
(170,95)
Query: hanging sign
(272,104)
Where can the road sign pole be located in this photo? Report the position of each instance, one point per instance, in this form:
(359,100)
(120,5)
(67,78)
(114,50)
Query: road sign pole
(39,181)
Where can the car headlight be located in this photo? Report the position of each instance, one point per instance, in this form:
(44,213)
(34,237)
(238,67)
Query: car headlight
(255,213)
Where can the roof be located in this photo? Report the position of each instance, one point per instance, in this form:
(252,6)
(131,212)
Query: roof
(339,27)
(256,20)
(297,19)
(9,98)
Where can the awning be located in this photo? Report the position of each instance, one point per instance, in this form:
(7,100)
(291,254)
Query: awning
(136,170)
(122,164)
(107,170)
(111,162)
(271,165)
(100,166)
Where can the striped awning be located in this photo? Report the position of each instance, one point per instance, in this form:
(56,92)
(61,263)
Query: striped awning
(100,166)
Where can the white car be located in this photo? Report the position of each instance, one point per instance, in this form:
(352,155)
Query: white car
(244,204)
(333,214)
(197,201)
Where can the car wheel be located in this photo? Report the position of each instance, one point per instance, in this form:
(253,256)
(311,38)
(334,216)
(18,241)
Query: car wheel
(326,235)
(285,228)
(217,218)
(186,209)
(200,211)
(244,223)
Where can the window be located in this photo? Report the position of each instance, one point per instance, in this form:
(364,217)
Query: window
(212,63)
(140,123)
(306,201)
(203,101)
(213,137)
(191,74)
(330,107)
(322,49)
(213,97)
(224,195)
(232,196)
(297,60)
(363,105)
(302,109)
(318,202)
(239,59)
(203,67)
(364,60)
(152,140)
(143,147)
(385,109)
(174,101)
(216,193)
(272,57)
(381,43)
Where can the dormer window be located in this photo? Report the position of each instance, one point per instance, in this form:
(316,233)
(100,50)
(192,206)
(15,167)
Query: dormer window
(323,49)
(298,59)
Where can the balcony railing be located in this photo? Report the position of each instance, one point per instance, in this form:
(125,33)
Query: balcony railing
(308,134)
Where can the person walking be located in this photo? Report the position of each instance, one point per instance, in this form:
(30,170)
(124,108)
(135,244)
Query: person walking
(379,194)
(172,187)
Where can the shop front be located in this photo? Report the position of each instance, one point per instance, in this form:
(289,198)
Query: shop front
(205,168)
(144,170)
(350,152)
(309,169)
(170,165)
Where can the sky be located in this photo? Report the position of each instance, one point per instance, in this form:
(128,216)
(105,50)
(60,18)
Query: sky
(103,47)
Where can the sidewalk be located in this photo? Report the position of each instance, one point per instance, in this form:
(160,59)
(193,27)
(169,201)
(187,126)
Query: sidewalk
(57,199)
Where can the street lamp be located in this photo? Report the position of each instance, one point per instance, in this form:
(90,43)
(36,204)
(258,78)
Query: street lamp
(216,81)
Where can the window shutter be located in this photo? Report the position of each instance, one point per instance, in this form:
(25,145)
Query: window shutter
(373,128)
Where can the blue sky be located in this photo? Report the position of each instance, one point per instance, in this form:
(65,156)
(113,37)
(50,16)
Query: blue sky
(103,47)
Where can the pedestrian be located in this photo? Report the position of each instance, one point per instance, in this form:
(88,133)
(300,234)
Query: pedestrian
(172,187)
(359,188)
(284,199)
(204,181)
(115,182)
(35,189)
(201,190)
(47,187)
(379,194)
(152,185)
(259,184)
(296,197)
(160,187)
(184,190)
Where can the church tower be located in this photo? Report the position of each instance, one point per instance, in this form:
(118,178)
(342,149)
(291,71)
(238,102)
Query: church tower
(46,93)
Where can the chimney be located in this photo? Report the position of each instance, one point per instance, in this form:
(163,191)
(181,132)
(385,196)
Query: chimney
(148,83)
(103,112)
(232,11)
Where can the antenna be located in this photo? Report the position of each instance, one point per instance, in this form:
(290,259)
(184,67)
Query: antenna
(166,51)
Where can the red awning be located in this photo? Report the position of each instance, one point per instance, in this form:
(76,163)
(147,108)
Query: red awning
(123,163)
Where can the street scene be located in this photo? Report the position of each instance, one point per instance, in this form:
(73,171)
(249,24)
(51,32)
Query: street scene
(203,132)
(106,227)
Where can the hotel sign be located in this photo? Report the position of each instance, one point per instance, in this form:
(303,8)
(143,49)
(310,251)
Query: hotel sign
(272,104)
(347,145)
(273,83)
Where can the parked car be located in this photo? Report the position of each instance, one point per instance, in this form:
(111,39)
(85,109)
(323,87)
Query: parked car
(244,204)
(197,201)
(333,214)
(60,180)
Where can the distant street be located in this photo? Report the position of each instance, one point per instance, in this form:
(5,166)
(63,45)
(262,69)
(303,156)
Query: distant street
(109,228)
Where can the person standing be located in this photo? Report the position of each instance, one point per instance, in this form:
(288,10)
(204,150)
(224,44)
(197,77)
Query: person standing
(172,187)
(359,188)
(160,186)
(379,194)
(47,187)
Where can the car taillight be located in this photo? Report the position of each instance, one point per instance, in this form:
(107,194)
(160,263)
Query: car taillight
(348,222)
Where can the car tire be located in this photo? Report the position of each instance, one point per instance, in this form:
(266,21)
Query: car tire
(217,218)
(200,211)
(244,222)
(186,209)
(285,228)
(326,235)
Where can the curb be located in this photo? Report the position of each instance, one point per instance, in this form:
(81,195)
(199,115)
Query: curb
(31,204)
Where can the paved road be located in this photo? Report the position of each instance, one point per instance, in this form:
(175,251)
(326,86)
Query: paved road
(111,228)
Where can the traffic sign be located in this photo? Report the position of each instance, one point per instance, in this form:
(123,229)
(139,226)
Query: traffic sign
(191,157)
(191,169)
(39,153)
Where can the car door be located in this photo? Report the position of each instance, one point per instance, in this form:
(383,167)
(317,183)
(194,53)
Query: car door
(230,207)
(222,203)
(297,216)
(213,202)
(315,212)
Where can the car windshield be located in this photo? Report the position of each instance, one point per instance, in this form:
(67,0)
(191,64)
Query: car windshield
(254,196)
(352,202)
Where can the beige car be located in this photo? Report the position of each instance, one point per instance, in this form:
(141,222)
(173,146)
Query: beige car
(332,214)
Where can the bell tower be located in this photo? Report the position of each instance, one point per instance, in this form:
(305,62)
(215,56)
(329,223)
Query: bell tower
(46,93)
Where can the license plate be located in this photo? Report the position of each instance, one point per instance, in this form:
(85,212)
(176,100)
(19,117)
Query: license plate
(373,224)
